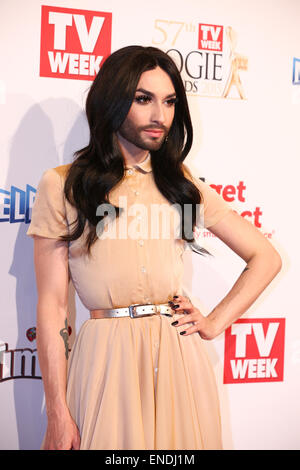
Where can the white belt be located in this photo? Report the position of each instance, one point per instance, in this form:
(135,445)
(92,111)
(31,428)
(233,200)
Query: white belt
(133,311)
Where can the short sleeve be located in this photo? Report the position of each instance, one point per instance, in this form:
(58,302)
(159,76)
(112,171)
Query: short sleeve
(48,218)
(213,207)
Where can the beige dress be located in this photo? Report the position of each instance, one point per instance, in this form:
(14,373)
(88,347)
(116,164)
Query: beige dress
(133,383)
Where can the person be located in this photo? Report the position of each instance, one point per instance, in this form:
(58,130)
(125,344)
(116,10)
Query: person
(138,375)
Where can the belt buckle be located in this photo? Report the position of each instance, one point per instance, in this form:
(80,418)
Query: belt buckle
(134,314)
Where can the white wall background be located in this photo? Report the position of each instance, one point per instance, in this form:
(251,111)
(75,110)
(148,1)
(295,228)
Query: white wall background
(253,140)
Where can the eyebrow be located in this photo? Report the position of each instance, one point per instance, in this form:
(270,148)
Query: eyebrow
(142,90)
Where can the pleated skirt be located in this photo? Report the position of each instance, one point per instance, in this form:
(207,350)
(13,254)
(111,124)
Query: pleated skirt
(139,384)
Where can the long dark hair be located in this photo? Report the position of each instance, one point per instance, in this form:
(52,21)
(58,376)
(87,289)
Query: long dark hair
(99,166)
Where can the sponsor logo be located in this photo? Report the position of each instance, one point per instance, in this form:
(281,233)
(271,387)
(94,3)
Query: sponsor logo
(254,351)
(296,71)
(16,204)
(237,193)
(74,43)
(206,56)
(296,81)
(18,363)
(210,37)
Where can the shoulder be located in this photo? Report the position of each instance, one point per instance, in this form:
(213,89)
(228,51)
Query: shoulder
(54,175)
(190,175)
(196,180)
(52,179)
(201,185)
(62,170)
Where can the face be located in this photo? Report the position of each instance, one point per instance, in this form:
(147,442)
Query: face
(152,111)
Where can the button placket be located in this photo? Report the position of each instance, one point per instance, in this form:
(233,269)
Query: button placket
(139,218)
(133,183)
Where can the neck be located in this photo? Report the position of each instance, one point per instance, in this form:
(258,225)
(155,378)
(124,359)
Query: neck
(132,154)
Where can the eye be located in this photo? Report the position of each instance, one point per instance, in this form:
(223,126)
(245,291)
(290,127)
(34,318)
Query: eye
(142,99)
(172,101)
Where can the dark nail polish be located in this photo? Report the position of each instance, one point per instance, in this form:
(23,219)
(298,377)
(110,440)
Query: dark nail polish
(176,306)
(174,323)
(175,296)
(182,332)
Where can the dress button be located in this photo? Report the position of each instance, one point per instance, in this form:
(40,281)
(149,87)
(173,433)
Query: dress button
(136,193)
(141,242)
(143,269)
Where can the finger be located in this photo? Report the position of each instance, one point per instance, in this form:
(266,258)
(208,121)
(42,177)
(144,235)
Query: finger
(183,319)
(187,312)
(190,330)
(195,317)
(182,305)
(182,324)
(182,299)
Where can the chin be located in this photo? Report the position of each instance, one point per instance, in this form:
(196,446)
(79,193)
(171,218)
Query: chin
(153,145)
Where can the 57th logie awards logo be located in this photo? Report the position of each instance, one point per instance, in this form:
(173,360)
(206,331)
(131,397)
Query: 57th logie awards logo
(206,55)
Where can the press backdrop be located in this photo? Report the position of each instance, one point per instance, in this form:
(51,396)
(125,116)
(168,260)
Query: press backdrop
(240,62)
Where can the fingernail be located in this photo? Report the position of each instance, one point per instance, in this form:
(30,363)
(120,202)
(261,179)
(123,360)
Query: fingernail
(176,306)
(175,296)
(174,323)
(182,332)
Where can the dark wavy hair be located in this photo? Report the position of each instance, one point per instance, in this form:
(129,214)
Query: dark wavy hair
(99,166)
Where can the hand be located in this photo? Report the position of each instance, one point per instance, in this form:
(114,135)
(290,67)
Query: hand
(202,325)
(62,434)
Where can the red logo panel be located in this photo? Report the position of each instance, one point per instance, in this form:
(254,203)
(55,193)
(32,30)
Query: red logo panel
(74,43)
(254,351)
(210,37)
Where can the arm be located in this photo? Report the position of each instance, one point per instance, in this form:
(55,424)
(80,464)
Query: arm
(263,264)
(52,280)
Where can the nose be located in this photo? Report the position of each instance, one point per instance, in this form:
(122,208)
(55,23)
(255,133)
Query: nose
(158,114)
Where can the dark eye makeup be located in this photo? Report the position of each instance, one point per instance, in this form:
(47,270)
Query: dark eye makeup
(144,99)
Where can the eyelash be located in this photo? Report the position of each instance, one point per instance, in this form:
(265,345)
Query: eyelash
(144,99)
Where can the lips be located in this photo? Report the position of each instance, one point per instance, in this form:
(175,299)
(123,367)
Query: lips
(154,132)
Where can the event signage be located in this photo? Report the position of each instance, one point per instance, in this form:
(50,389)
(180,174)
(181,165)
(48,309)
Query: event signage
(254,351)
(206,55)
(16,204)
(74,43)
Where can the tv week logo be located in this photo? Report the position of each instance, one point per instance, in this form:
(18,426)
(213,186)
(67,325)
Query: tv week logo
(210,37)
(254,351)
(74,43)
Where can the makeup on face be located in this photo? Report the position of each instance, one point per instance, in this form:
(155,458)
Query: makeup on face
(151,114)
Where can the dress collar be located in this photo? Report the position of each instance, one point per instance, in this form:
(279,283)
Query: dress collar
(144,166)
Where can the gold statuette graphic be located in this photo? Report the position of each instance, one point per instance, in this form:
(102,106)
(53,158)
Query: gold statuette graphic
(238,62)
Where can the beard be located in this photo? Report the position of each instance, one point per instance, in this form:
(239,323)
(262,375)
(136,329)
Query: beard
(137,137)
